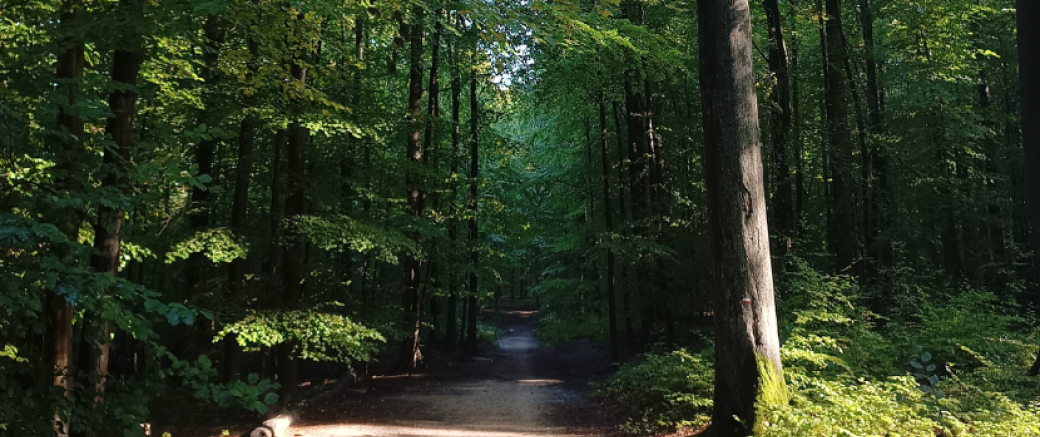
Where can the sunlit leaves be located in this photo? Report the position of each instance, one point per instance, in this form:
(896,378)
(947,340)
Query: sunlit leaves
(220,245)
(313,335)
(340,233)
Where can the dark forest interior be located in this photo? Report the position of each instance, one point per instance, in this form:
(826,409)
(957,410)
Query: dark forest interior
(775,218)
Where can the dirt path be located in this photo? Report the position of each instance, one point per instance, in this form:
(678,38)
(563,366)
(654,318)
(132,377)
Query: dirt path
(520,389)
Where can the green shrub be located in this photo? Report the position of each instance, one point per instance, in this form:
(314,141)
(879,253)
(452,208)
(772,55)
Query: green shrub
(663,390)
(489,333)
(957,368)
(554,330)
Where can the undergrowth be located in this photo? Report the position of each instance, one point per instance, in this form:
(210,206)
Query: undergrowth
(553,330)
(489,333)
(956,368)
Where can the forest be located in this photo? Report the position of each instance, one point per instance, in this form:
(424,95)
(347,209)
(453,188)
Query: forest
(777,217)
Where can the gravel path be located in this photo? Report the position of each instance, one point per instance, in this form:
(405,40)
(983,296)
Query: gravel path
(519,390)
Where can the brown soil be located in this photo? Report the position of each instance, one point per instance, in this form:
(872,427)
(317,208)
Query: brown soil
(517,389)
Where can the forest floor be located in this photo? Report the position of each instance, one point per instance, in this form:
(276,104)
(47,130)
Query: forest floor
(516,388)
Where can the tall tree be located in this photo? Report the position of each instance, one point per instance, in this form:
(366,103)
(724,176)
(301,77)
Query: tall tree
(122,103)
(295,206)
(474,204)
(453,225)
(205,149)
(748,373)
(841,231)
(411,299)
(239,211)
(69,171)
(881,195)
(1029,73)
(608,215)
(780,120)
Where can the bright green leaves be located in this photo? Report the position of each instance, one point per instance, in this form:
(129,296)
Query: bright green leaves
(315,336)
(219,245)
(342,233)
(11,352)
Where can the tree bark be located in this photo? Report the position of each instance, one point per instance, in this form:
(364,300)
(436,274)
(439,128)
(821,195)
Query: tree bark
(881,196)
(456,136)
(608,215)
(842,232)
(780,120)
(205,150)
(474,203)
(69,170)
(796,136)
(125,65)
(411,357)
(295,206)
(748,373)
(239,211)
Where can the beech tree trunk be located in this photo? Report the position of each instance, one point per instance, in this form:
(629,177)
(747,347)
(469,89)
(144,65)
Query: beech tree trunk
(608,214)
(474,203)
(125,66)
(411,298)
(748,373)
(780,121)
(451,334)
(205,150)
(239,211)
(58,338)
(293,258)
(842,231)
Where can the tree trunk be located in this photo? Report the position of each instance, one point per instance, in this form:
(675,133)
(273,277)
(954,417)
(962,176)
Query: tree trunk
(456,134)
(125,66)
(748,373)
(474,203)
(294,256)
(205,150)
(881,196)
(626,289)
(277,206)
(58,338)
(1029,71)
(796,135)
(780,120)
(239,211)
(411,357)
(608,214)
(842,233)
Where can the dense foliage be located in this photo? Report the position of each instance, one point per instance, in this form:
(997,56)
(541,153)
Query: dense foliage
(197,197)
(957,369)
